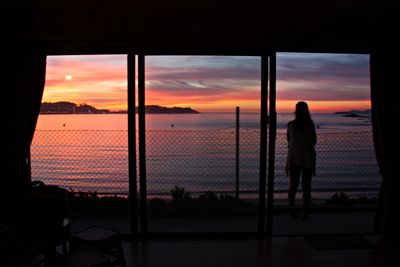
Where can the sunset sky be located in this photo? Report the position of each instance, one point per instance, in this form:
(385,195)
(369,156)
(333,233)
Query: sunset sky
(328,82)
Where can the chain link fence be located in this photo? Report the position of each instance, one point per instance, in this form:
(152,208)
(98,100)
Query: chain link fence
(82,161)
(198,161)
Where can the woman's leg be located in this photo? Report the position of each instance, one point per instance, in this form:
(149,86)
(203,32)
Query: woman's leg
(306,186)
(294,176)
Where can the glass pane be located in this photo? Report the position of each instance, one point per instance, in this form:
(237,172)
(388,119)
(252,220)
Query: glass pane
(191,140)
(80,143)
(336,88)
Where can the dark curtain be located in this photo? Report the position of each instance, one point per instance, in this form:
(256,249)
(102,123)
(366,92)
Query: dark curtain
(25,62)
(385,119)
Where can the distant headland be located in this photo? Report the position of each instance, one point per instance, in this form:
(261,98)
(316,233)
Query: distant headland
(355,113)
(154,109)
(64,107)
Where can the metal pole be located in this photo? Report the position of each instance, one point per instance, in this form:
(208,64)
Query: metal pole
(237,152)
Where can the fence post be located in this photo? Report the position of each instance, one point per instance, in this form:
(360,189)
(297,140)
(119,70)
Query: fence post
(237,153)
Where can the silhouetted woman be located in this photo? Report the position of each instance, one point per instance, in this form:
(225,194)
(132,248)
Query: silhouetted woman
(300,163)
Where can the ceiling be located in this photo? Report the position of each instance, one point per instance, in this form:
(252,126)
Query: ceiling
(207,26)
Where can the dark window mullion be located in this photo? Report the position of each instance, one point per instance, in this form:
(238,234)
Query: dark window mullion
(271,139)
(263,144)
(142,144)
(132,145)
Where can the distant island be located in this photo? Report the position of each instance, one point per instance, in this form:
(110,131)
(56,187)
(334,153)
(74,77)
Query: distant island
(355,113)
(154,109)
(64,107)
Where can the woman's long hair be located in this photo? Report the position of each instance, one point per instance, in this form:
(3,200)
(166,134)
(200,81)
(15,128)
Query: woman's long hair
(303,116)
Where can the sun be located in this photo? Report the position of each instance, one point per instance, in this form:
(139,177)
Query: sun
(68,77)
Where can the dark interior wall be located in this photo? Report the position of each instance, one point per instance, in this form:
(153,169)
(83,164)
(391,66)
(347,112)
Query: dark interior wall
(177,25)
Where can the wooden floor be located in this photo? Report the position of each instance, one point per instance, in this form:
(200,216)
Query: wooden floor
(294,243)
(283,225)
(278,251)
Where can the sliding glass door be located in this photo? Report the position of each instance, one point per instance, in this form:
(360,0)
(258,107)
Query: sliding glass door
(202,143)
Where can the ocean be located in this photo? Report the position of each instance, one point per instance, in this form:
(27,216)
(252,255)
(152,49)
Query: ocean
(89,152)
(326,122)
